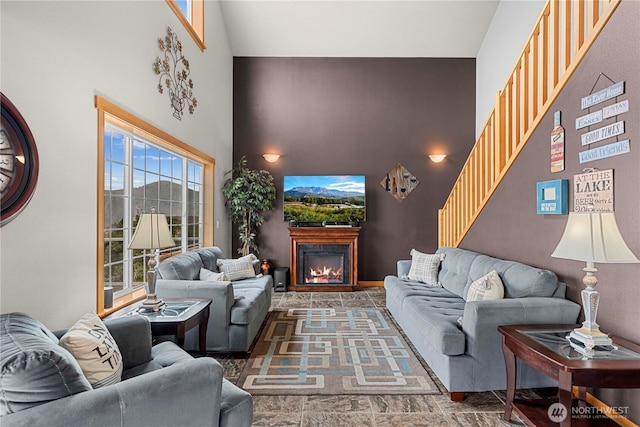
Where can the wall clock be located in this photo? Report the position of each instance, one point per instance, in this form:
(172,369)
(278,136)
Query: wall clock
(18,162)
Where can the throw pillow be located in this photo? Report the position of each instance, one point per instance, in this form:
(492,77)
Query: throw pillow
(424,267)
(488,287)
(238,269)
(97,353)
(211,276)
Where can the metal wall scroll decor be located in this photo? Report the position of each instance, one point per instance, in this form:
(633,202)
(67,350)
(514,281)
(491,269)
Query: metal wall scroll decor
(173,69)
(399,182)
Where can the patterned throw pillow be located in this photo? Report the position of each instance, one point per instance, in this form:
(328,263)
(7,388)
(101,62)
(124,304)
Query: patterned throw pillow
(488,287)
(211,276)
(97,353)
(238,269)
(424,267)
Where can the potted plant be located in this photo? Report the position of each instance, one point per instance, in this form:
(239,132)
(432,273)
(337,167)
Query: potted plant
(248,193)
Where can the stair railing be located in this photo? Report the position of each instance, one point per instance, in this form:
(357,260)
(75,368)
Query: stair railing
(561,37)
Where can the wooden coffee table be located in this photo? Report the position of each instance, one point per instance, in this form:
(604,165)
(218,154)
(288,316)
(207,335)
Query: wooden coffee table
(545,348)
(176,317)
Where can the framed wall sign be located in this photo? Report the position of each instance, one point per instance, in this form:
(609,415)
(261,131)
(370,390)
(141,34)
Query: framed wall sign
(593,189)
(552,197)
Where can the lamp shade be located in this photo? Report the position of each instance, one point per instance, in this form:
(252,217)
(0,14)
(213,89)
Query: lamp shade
(593,237)
(152,232)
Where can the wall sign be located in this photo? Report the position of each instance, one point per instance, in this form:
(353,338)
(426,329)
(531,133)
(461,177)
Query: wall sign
(605,151)
(552,197)
(604,132)
(602,95)
(593,188)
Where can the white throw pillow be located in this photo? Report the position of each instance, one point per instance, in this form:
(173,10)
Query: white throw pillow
(211,276)
(238,269)
(424,267)
(487,287)
(97,353)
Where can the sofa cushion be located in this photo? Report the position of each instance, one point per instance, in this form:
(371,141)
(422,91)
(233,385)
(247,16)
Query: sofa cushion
(212,276)
(184,266)
(454,269)
(519,280)
(238,269)
(437,319)
(487,287)
(90,342)
(210,256)
(34,369)
(424,267)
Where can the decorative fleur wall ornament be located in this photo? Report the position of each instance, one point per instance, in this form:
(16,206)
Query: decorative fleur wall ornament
(173,69)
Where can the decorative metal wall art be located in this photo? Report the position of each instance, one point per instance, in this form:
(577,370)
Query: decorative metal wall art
(399,182)
(173,69)
(18,162)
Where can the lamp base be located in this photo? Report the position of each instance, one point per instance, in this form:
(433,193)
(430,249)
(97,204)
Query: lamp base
(590,342)
(152,303)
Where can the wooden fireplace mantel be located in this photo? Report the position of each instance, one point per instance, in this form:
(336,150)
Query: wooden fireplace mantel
(319,236)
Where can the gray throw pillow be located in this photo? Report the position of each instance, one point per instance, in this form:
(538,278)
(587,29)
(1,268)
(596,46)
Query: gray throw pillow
(424,267)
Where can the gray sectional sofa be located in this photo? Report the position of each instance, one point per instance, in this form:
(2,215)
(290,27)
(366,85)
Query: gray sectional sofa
(41,383)
(466,355)
(238,307)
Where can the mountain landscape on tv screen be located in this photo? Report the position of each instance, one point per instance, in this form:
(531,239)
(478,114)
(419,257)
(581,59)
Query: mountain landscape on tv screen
(322,204)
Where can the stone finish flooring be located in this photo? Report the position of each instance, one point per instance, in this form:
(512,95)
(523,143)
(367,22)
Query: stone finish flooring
(478,409)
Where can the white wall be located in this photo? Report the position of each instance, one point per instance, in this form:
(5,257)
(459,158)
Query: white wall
(56,56)
(510,28)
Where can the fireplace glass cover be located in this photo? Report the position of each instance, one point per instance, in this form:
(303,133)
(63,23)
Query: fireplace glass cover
(323,268)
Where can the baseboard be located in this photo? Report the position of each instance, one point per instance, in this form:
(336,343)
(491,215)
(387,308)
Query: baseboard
(370,283)
(606,409)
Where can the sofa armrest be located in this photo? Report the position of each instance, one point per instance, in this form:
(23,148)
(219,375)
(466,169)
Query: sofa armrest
(150,399)
(481,319)
(403,266)
(133,336)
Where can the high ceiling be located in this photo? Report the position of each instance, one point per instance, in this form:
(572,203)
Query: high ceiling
(357,28)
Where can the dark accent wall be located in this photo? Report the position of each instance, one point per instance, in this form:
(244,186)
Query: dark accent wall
(358,116)
(508,227)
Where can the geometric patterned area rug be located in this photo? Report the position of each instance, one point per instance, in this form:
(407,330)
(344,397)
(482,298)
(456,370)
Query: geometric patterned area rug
(329,351)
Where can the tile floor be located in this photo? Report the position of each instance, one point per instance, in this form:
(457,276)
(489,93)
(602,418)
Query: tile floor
(477,410)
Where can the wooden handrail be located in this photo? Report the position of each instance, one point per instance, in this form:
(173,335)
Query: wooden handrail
(558,42)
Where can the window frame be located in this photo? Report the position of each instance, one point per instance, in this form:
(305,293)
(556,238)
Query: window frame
(195,28)
(111,113)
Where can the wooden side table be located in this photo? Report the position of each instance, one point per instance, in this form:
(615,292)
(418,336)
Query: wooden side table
(176,317)
(545,348)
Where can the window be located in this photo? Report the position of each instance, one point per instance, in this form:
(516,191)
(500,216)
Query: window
(143,168)
(191,14)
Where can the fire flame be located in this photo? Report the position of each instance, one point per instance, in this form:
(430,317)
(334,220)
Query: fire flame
(324,274)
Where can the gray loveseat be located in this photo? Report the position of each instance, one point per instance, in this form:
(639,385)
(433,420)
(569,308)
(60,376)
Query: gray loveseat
(238,307)
(41,383)
(467,355)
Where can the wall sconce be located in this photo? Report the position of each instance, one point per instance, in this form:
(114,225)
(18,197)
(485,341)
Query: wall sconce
(437,158)
(271,157)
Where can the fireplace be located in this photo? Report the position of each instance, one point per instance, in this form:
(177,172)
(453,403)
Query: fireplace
(323,264)
(323,258)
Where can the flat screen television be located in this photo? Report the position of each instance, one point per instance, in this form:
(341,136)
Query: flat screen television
(324,198)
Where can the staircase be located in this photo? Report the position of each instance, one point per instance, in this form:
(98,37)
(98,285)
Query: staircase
(560,39)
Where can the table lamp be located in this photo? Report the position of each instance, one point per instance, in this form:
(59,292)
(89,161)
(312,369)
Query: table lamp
(592,237)
(152,233)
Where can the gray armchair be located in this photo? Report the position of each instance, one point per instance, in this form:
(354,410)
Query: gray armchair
(161,385)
